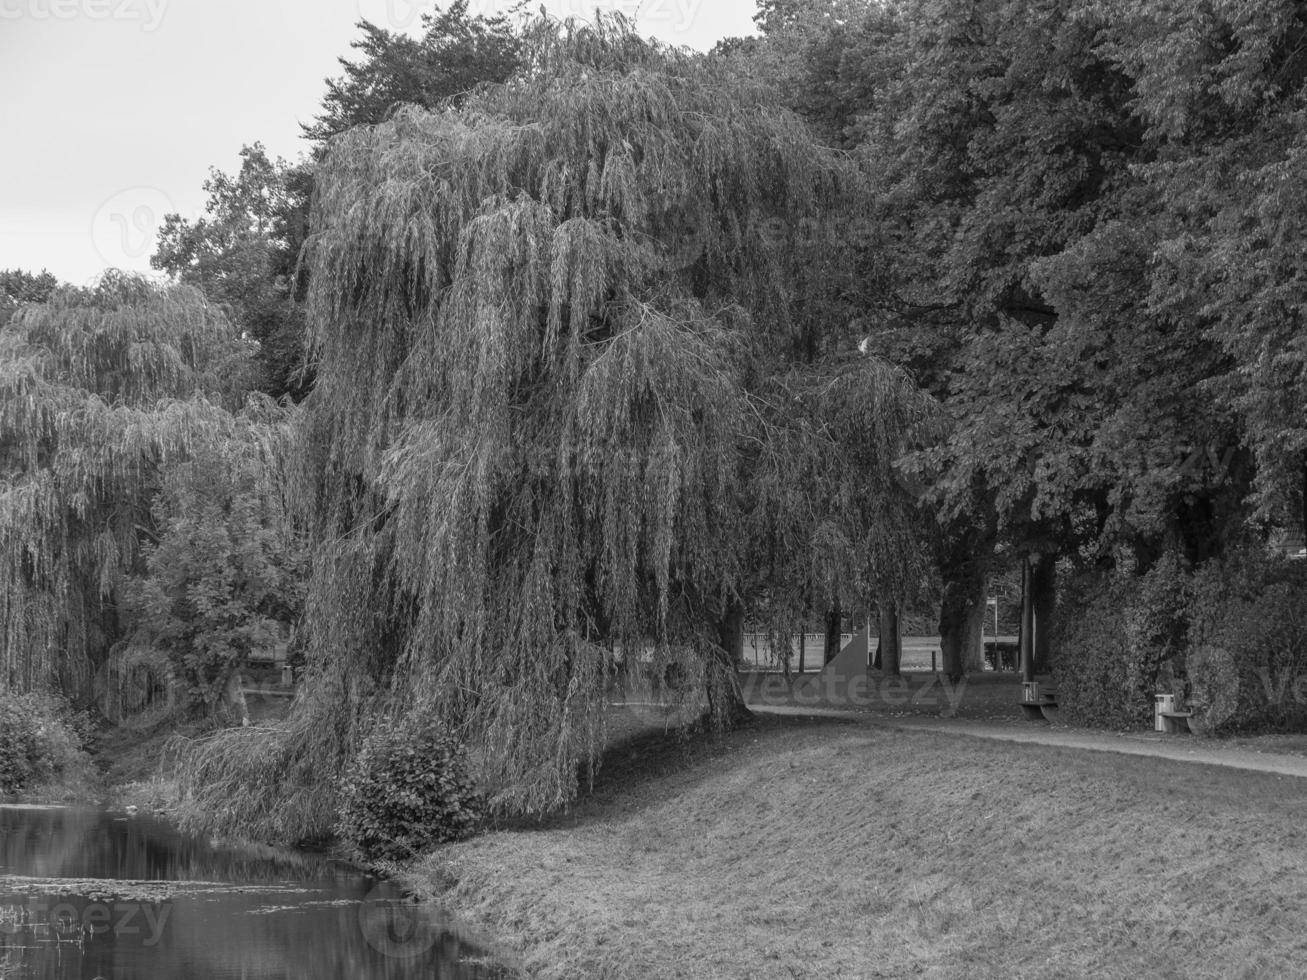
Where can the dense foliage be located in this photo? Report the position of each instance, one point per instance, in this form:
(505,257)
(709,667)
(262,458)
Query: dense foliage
(225,577)
(243,252)
(17,286)
(1228,638)
(1121,640)
(558,331)
(102,392)
(1246,661)
(407,791)
(456,52)
(38,742)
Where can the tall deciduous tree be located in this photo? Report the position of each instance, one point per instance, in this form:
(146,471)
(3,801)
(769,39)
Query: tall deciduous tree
(554,329)
(456,52)
(1220,88)
(243,254)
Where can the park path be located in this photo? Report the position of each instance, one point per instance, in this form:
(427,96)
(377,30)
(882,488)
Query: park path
(1180,748)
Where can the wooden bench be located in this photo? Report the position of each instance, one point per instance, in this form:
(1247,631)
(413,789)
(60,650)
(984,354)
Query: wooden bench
(1176,722)
(1039,701)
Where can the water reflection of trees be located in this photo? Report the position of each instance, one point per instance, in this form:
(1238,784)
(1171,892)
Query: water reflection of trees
(278,915)
(62,843)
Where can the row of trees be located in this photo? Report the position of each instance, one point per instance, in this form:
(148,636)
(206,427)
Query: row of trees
(1091,211)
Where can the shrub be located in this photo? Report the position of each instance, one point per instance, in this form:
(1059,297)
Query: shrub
(1230,637)
(38,742)
(1120,640)
(407,791)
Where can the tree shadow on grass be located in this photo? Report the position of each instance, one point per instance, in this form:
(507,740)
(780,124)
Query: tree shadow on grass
(640,760)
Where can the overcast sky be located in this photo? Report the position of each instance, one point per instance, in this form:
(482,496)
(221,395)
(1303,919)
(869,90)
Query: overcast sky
(112,111)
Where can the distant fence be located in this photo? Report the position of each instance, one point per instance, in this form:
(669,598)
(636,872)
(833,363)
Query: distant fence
(758,651)
(919,652)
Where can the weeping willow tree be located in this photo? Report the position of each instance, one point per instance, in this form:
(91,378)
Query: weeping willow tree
(545,325)
(100,390)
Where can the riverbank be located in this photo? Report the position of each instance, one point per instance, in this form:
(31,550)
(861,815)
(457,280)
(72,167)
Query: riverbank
(826,849)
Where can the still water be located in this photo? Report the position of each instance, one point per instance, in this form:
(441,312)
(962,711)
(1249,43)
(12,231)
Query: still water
(87,894)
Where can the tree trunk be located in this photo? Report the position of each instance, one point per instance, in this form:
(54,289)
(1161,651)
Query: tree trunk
(962,620)
(833,622)
(889,643)
(803,642)
(725,702)
(1302,511)
(1043,580)
(1026,637)
(973,632)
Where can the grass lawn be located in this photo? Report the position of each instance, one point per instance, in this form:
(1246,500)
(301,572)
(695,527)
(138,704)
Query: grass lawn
(825,850)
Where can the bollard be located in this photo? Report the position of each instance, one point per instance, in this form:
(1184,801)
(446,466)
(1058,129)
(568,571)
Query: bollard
(932,661)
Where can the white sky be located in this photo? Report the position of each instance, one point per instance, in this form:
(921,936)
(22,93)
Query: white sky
(112,111)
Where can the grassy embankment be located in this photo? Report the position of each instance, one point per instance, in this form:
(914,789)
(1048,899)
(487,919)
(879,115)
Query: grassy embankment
(830,850)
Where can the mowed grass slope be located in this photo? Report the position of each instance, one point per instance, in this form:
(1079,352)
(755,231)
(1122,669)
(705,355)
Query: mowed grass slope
(830,851)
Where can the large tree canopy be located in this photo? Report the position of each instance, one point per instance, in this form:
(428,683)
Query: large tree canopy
(560,330)
(537,319)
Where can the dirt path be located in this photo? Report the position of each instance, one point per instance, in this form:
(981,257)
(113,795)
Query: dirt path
(1181,748)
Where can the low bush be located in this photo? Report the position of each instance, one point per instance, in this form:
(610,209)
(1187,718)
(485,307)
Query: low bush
(407,791)
(39,742)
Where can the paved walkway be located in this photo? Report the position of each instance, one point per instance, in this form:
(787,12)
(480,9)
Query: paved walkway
(1181,748)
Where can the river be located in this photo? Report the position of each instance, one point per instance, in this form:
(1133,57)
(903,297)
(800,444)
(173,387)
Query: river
(93,895)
